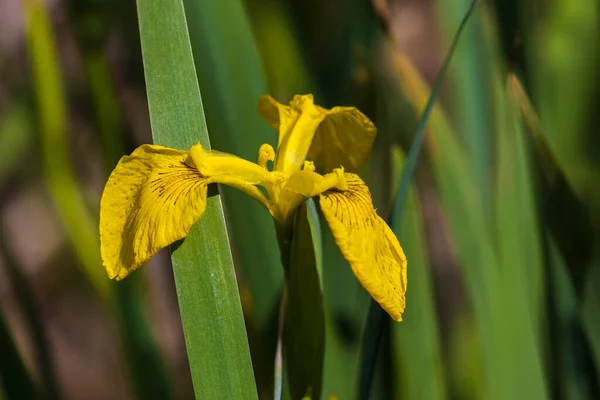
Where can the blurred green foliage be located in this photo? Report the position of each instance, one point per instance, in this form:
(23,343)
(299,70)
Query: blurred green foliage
(500,227)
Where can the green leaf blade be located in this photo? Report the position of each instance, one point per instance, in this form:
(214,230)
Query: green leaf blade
(202,264)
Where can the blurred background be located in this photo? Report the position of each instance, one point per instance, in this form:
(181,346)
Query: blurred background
(500,230)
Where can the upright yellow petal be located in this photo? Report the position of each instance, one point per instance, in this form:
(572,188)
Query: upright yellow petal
(368,244)
(152,199)
(340,136)
(345,137)
(297,124)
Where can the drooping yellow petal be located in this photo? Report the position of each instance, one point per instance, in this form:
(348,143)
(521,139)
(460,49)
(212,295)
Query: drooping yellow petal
(152,199)
(368,244)
(340,136)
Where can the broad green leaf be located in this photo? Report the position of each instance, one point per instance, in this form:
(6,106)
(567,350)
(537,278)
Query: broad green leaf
(304,331)
(202,264)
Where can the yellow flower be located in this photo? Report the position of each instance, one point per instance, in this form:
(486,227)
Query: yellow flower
(155,195)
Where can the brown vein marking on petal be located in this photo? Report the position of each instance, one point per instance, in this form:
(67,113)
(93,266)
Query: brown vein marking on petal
(368,244)
(151,200)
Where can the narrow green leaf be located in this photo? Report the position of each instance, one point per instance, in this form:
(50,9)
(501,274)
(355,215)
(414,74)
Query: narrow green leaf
(415,149)
(376,320)
(455,179)
(488,286)
(304,332)
(473,77)
(204,274)
(482,259)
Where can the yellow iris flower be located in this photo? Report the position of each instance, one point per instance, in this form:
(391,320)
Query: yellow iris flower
(155,195)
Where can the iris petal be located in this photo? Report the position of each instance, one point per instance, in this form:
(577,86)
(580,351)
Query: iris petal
(152,199)
(297,124)
(330,138)
(368,244)
(345,137)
